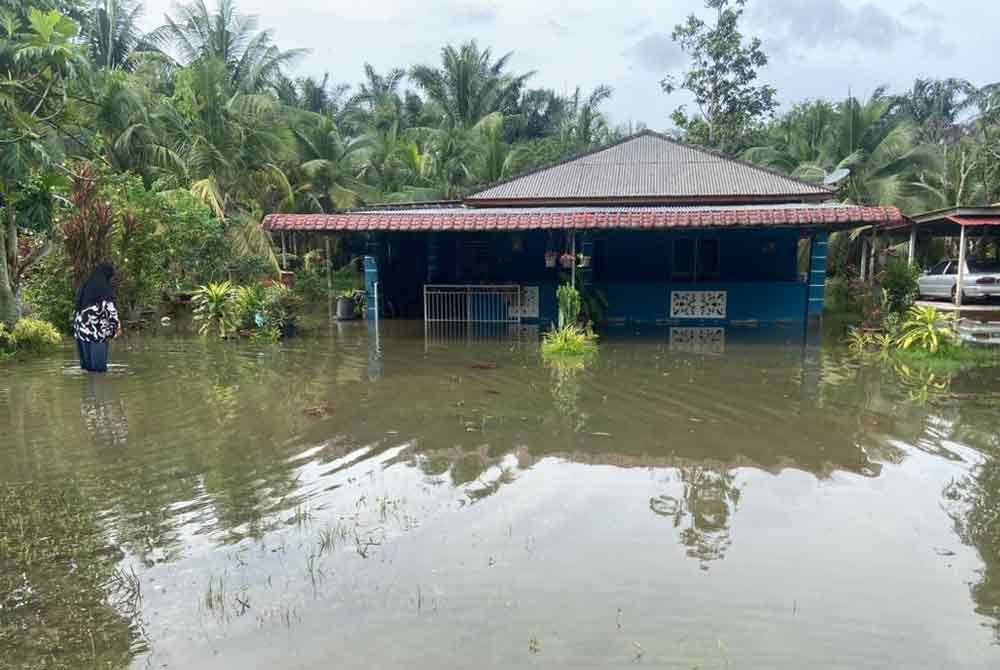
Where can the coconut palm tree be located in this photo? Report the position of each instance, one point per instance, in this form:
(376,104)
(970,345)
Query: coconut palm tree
(796,142)
(936,106)
(230,146)
(252,61)
(328,163)
(585,124)
(113,34)
(882,151)
(470,84)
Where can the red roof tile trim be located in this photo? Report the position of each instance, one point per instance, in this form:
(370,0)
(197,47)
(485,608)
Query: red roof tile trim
(975,221)
(496,220)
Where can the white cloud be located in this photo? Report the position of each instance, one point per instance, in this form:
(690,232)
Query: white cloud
(817,47)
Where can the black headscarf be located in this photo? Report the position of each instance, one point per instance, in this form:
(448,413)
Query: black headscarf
(97,288)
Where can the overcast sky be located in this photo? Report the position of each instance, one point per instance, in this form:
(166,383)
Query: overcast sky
(817,48)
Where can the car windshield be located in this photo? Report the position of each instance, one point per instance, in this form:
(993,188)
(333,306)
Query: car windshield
(984,266)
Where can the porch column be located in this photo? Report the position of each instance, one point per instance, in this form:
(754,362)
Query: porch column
(816,279)
(864,258)
(961,267)
(911,251)
(873,256)
(284,252)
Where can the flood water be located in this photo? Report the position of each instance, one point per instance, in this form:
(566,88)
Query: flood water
(359,498)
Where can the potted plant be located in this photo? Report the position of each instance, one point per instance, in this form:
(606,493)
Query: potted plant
(550,259)
(566,261)
(348,304)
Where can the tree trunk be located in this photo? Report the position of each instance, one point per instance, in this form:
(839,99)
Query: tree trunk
(9,310)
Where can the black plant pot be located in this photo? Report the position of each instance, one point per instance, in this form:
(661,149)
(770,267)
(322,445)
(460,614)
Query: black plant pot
(347,309)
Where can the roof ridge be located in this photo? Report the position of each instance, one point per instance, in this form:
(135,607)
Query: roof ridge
(568,159)
(818,189)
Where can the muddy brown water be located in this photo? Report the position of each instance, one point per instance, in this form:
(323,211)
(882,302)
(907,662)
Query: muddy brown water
(395,499)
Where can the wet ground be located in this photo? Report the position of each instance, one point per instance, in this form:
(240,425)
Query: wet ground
(398,499)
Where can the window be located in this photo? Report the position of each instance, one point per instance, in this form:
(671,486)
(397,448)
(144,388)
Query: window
(708,260)
(696,260)
(938,269)
(683,268)
(952,268)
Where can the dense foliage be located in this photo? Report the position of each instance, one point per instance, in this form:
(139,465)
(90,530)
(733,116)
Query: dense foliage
(161,151)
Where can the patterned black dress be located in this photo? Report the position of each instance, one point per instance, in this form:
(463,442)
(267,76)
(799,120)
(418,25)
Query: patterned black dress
(93,327)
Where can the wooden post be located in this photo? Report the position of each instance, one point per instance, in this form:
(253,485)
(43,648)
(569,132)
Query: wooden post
(284,252)
(873,256)
(329,275)
(961,268)
(911,251)
(864,259)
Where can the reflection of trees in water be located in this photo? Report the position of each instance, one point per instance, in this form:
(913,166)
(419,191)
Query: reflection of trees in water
(566,388)
(57,575)
(973,501)
(974,504)
(702,512)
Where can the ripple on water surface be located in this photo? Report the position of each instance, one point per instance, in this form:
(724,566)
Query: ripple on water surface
(219,504)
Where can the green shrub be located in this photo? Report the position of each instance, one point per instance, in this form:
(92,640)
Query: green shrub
(899,282)
(214,309)
(570,340)
(35,336)
(49,293)
(838,296)
(310,284)
(251,269)
(6,341)
(928,329)
(281,307)
(248,306)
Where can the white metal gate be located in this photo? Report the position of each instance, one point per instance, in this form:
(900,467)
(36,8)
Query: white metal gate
(462,303)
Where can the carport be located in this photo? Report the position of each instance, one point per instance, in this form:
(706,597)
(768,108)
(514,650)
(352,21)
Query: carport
(979,225)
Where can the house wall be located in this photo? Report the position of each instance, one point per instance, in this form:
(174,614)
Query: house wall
(637,271)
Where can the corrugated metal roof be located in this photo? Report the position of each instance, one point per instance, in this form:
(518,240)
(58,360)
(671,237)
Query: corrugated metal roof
(652,167)
(621,218)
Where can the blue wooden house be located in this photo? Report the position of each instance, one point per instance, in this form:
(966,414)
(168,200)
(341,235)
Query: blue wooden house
(660,231)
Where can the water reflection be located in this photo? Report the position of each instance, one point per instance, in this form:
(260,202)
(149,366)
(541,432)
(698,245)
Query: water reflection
(325,479)
(103,411)
(702,510)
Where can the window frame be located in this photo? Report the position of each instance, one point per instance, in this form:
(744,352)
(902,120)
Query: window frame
(695,275)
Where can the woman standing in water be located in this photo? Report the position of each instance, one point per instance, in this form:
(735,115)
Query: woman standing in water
(95,321)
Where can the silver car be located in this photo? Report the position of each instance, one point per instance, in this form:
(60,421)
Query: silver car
(981,280)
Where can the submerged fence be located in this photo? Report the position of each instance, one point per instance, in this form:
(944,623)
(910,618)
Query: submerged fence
(459,303)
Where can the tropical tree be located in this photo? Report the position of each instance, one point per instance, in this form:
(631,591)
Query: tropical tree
(470,84)
(797,142)
(113,33)
(722,77)
(231,147)
(40,60)
(252,61)
(584,123)
(328,163)
(936,106)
